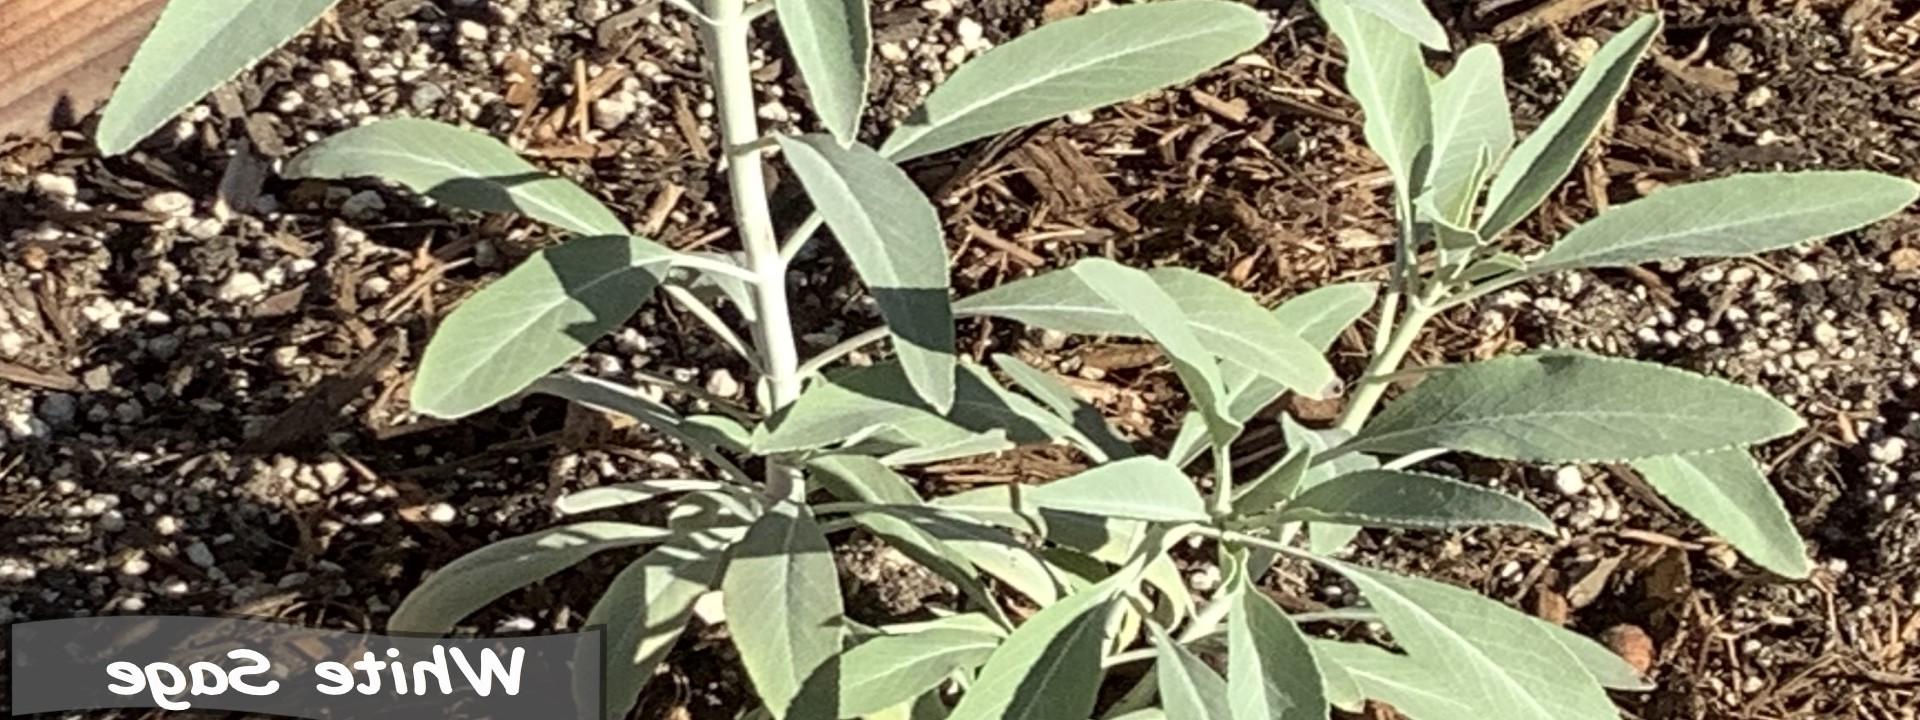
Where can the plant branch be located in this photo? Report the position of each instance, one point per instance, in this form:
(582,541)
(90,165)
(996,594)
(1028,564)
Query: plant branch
(1379,373)
(700,311)
(801,235)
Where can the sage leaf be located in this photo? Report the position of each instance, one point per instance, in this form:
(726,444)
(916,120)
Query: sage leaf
(1491,658)
(195,47)
(1471,120)
(1077,64)
(1135,294)
(831,41)
(1409,17)
(1401,499)
(1189,688)
(456,167)
(704,435)
(631,493)
(1343,691)
(1412,688)
(1574,407)
(876,411)
(1271,673)
(1050,666)
(482,576)
(1543,159)
(1386,74)
(1608,669)
(892,669)
(542,313)
(858,478)
(893,235)
(1232,325)
(1109,540)
(1739,215)
(781,592)
(1142,488)
(644,610)
(1093,433)
(1727,492)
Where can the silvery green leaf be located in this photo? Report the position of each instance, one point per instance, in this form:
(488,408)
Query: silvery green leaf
(644,610)
(858,478)
(630,493)
(1608,669)
(1402,499)
(1726,491)
(874,410)
(1077,64)
(542,313)
(1408,16)
(196,46)
(1343,691)
(893,669)
(831,41)
(1410,687)
(1492,266)
(1472,123)
(1491,658)
(1318,317)
(781,592)
(1322,537)
(1141,488)
(1050,667)
(482,576)
(1739,215)
(991,549)
(1276,485)
(1135,294)
(1541,161)
(704,435)
(1093,433)
(892,234)
(1574,407)
(457,167)
(1109,540)
(1189,688)
(1271,673)
(1386,74)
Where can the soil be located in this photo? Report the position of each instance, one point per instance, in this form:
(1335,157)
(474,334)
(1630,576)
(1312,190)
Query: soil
(203,367)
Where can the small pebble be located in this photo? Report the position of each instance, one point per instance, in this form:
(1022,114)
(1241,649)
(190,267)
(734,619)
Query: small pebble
(1568,481)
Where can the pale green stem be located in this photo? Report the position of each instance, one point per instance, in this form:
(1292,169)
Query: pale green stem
(727,38)
(1373,384)
(1222,479)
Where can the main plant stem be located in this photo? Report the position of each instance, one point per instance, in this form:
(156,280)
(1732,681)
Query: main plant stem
(728,28)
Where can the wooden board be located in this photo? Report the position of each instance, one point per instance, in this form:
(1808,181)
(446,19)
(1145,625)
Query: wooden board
(60,58)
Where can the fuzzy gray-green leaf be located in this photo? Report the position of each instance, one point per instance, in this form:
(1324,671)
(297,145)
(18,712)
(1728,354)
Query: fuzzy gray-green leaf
(782,596)
(831,41)
(1271,673)
(1077,64)
(1574,407)
(1096,436)
(893,235)
(1726,491)
(1135,294)
(644,610)
(1189,688)
(457,167)
(1401,499)
(1549,153)
(1232,325)
(1739,215)
(1414,689)
(196,46)
(1050,667)
(482,576)
(892,669)
(1386,74)
(1141,488)
(1471,121)
(876,411)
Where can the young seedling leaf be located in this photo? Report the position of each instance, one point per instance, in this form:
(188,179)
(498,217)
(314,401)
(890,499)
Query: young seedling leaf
(196,46)
(893,669)
(831,41)
(1739,215)
(457,167)
(1410,687)
(893,235)
(1489,657)
(1077,64)
(1135,294)
(482,576)
(1386,74)
(1400,499)
(875,411)
(1549,153)
(1271,673)
(1727,492)
(1095,436)
(782,596)
(1471,121)
(1189,688)
(1141,488)
(624,494)
(644,610)
(1050,667)
(1574,407)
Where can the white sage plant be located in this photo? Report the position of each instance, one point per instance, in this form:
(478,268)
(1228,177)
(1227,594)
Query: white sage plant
(1090,551)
